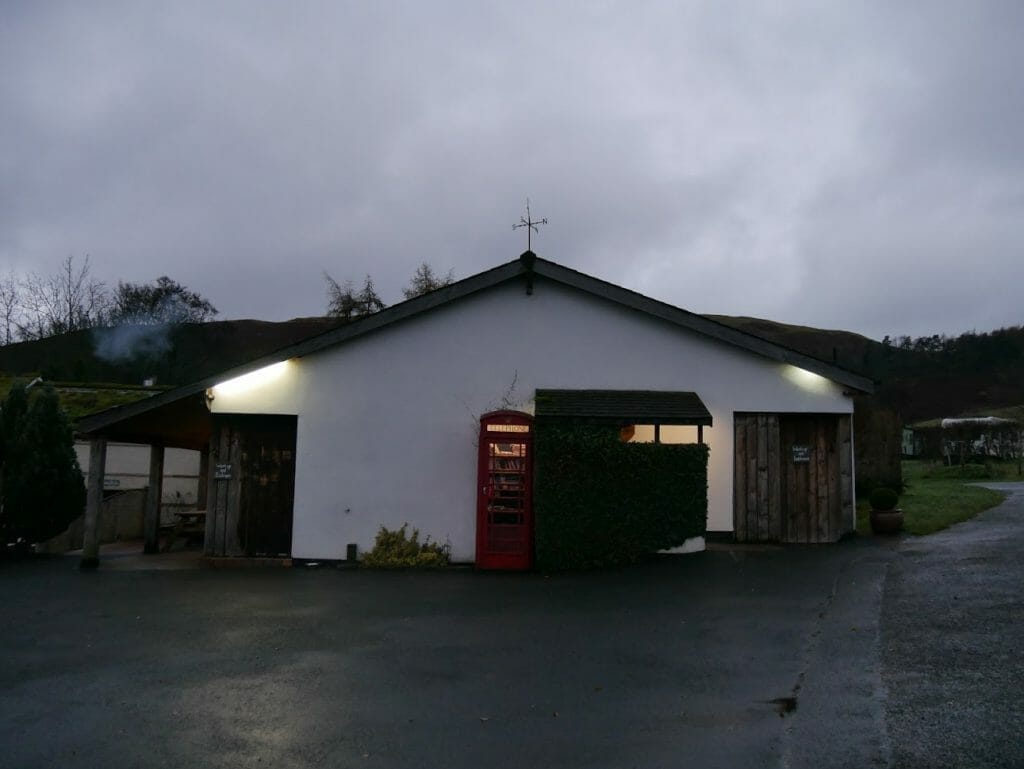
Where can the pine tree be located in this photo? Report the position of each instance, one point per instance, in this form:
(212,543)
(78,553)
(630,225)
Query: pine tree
(42,490)
(425,280)
(13,413)
(367,300)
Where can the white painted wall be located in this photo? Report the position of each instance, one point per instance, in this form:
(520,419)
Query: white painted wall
(387,424)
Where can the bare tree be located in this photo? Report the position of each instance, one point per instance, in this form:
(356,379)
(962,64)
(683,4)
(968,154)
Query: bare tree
(68,301)
(343,301)
(10,307)
(164,301)
(425,280)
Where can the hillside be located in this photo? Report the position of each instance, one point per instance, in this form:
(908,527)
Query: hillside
(843,348)
(170,356)
(923,378)
(918,378)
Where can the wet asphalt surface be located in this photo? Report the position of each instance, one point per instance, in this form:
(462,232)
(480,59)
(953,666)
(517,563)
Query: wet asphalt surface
(893,653)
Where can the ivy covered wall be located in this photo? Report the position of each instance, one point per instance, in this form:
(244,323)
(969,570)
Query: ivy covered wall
(599,501)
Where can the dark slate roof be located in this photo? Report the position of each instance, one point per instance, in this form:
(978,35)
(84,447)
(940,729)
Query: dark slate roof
(641,407)
(533,272)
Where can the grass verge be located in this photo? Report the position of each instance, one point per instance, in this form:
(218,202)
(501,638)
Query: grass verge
(932,502)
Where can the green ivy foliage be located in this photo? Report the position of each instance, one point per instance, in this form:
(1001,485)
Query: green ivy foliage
(599,501)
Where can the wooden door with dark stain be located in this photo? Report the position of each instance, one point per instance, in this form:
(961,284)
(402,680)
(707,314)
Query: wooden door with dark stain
(252,485)
(793,477)
(816,489)
(756,480)
(267,492)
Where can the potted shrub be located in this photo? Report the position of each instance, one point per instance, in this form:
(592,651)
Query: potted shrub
(886,517)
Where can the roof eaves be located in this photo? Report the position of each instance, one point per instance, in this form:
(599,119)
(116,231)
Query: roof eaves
(471,285)
(386,317)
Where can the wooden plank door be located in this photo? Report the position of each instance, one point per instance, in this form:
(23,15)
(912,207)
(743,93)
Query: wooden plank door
(817,488)
(793,477)
(757,515)
(267,487)
(251,485)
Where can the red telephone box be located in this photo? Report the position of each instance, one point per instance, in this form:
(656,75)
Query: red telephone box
(504,519)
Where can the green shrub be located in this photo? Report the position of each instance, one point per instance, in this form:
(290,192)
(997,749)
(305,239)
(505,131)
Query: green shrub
(41,489)
(883,498)
(397,549)
(599,501)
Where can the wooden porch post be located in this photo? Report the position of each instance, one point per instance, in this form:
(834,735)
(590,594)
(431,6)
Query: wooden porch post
(154,495)
(208,483)
(93,502)
(204,478)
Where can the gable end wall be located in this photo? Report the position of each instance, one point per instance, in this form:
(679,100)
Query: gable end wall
(387,423)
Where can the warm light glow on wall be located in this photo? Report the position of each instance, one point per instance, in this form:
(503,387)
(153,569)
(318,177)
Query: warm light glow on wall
(808,380)
(252,380)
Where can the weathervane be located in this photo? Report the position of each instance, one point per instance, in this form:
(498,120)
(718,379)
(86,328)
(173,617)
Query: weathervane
(530,224)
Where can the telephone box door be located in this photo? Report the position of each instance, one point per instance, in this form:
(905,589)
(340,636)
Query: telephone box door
(504,523)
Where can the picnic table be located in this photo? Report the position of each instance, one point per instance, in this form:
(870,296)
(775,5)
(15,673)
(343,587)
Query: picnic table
(187,523)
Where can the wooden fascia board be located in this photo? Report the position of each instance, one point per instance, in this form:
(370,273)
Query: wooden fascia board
(700,324)
(94,423)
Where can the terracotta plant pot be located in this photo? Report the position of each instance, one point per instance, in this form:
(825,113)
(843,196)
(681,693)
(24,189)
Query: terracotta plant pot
(887,521)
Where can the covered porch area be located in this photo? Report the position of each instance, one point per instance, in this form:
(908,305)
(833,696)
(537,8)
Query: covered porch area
(159,422)
(246,479)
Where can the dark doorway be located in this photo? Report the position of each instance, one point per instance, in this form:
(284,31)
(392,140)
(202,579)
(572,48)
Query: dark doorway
(252,479)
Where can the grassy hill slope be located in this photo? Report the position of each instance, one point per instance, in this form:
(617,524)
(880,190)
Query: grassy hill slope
(173,357)
(935,377)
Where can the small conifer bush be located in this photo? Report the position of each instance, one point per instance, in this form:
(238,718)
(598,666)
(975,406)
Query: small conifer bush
(883,498)
(397,549)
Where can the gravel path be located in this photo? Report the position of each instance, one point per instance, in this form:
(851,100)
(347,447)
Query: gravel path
(952,633)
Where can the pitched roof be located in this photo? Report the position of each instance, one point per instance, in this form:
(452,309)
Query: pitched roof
(643,407)
(528,268)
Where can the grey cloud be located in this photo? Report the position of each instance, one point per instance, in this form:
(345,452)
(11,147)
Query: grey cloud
(832,166)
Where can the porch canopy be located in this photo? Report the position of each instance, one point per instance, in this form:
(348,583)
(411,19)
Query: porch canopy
(169,419)
(623,407)
(178,419)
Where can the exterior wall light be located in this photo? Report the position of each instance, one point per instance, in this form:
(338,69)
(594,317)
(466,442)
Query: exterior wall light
(252,380)
(807,380)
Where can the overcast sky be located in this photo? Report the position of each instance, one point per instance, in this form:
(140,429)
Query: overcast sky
(844,165)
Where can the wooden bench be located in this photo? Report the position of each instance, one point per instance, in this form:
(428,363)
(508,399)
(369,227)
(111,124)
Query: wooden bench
(187,523)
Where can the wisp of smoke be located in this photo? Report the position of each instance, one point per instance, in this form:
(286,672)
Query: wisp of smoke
(130,341)
(143,334)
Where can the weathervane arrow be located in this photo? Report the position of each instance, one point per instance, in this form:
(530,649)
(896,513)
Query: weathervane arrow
(530,224)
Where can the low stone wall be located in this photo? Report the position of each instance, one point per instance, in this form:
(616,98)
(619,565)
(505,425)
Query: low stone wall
(120,519)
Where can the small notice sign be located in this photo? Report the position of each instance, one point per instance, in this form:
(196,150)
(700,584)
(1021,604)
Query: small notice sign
(801,454)
(222,472)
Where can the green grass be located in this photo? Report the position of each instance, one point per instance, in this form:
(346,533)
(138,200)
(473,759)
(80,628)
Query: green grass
(80,400)
(921,469)
(937,497)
